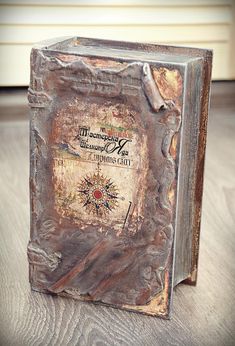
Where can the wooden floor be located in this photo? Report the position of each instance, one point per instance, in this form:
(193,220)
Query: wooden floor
(202,315)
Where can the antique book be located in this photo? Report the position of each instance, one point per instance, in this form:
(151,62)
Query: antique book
(118,134)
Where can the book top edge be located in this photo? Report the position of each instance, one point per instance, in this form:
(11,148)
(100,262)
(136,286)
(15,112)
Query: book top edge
(93,46)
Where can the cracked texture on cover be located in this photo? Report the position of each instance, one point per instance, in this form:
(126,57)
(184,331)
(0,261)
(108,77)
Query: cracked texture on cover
(126,264)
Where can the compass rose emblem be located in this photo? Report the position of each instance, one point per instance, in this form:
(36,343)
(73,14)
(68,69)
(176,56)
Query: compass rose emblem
(97,193)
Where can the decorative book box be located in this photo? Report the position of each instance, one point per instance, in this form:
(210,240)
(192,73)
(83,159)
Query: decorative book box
(118,133)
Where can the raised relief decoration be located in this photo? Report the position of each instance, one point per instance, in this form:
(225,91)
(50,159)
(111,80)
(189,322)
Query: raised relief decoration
(106,158)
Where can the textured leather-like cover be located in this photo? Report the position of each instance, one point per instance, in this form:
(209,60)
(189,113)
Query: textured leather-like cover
(106,190)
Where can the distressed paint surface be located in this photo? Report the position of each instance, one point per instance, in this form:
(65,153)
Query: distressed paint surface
(104,156)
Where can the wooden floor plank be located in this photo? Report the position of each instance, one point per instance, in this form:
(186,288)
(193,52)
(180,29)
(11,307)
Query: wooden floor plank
(202,315)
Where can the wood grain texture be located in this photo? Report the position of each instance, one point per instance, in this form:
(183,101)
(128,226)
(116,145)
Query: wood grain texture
(203,315)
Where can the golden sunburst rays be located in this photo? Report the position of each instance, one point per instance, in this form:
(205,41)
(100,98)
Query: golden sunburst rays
(97,193)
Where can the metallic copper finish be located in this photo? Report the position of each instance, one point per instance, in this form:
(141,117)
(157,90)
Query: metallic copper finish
(106,157)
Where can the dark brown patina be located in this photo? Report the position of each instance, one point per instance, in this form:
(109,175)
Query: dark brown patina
(117,148)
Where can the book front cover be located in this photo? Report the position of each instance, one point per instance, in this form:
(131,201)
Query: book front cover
(104,144)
